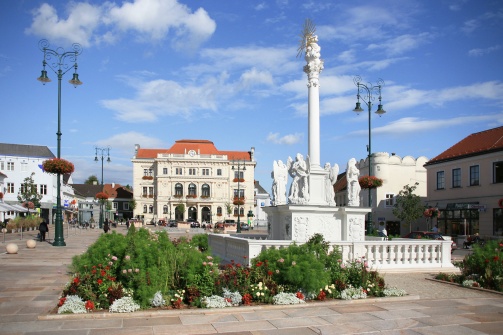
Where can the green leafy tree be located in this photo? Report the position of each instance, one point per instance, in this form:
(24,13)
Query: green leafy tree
(29,193)
(132,204)
(408,206)
(228,207)
(92,180)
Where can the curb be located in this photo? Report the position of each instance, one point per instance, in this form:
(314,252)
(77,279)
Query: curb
(209,311)
(468,287)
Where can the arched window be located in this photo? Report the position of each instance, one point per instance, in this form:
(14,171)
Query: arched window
(219,211)
(144,208)
(192,189)
(205,190)
(151,208)
(165,209)
(178,189)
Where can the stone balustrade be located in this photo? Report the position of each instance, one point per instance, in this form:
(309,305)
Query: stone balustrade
(394,255)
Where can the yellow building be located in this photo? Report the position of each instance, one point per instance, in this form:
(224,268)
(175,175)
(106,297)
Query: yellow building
(193,179)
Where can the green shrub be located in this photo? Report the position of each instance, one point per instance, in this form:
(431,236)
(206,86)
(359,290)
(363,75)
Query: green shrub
(485,264)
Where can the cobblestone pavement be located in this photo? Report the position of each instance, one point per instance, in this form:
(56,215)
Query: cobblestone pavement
(32,279)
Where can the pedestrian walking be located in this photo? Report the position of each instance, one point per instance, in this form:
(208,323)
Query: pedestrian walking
(43,228)
(106,226)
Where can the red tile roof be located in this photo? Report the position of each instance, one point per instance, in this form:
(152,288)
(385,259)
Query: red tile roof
(203,147)
(117,191)
(475,144)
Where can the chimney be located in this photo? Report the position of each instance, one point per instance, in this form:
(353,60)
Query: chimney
(113,185)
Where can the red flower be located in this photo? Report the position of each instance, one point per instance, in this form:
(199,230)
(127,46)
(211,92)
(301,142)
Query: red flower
(89,305)
(61,301)
(76,280)
(299,295)
(496,258)
(321,296)
(103,273)
(259,264)
(369,182)
(58,165)
(269,273)
(101,195)
(100,281)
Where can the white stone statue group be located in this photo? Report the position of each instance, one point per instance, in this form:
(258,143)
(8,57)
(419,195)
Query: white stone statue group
(299,170)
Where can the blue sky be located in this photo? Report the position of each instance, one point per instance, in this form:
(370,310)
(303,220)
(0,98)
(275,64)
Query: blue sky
(156,71)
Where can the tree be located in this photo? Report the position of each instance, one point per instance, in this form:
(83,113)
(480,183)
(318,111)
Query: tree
(408,205)
(92,180)
(132,204)
(28,192)
(228,207)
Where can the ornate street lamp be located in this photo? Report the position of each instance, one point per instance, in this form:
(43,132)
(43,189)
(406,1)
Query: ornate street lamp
(102,153)
(240,167)
(58,61)
(366,93)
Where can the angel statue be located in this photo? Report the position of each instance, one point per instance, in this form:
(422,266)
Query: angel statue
(299,171)
(280,178)
(330,179)
(352,174)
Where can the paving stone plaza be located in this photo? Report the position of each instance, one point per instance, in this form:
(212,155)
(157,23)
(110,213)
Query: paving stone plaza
(31,282)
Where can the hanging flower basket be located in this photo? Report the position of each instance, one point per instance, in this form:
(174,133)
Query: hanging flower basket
(431,212)
(241,180)
(147,178)
(239,201)
(101,196)
(28,205)
(370,182)
(58,165)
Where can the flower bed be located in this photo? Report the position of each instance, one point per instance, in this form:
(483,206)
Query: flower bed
(483,268)
(58,165)
(146,270)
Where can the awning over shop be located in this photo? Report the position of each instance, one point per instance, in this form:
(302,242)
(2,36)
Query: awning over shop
(7,208)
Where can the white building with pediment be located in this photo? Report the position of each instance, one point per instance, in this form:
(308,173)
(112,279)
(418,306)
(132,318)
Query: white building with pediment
(193,179)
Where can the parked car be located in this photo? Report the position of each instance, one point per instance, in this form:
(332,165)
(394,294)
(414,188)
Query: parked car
(172,223)
(193,223)
(229,223)
(430,236)
(245,226)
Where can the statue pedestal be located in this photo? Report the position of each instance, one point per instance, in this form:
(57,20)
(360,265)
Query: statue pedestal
(300,222)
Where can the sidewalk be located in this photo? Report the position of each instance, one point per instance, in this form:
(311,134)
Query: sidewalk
(31,282)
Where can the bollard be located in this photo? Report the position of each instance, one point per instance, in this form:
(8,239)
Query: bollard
(4,231)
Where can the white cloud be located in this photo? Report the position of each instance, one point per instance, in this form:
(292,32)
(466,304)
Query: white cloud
(481,52)
(148,20)
(79,27)
(401,44)
(287,139)
(254,78)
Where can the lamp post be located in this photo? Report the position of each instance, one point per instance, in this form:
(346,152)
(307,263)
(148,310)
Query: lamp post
(240,167)
(58,61)
(366,93)
(102,153)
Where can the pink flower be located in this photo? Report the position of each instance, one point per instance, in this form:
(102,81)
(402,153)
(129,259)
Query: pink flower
(128,258)
(210,263)
(281,260)
(136,270)
(114,258)
(110,263)
(124,271)
(294,263)
(129,270)
(204,263)
(209,258)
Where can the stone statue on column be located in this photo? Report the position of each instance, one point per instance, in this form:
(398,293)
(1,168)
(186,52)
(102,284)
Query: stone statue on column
(330,179)
(280,178)
(299,171)
(353,185)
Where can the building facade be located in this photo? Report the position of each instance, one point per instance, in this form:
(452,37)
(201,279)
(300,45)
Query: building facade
(262,199)
(193,180)
(396,172)
(466,183)
(19,161)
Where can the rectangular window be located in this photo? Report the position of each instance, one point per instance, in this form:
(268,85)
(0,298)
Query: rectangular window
(10,187)
(24,166)
(474,175)
(206,172)
(10,166)
(150,172)
(456,178)
(440,180)
(498,172)
(164,170)
(22,189)
(498,221)
(150,192)
(239,174)
(219,172)
(192,172)
(126,206)
(2,167)
(179,171)
(116,205)
(144,191)
(145,172)
(43,189)
(390,200)
(240,193)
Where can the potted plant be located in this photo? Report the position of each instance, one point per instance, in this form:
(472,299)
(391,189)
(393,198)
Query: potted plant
(369,182)
(58,165)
